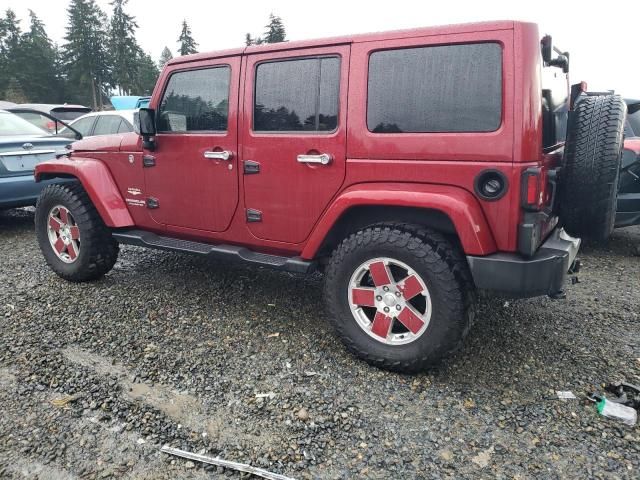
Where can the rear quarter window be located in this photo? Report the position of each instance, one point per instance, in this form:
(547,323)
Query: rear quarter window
(444,88)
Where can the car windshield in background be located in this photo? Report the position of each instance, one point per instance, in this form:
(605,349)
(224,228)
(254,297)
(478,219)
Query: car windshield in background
(11,124)
(68,115)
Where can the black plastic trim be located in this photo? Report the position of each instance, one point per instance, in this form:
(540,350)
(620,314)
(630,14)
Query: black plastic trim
(253,215)
(251,167)
(143,238)
(541,274)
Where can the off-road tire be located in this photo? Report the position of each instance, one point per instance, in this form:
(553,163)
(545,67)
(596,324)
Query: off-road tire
(98,251)
(445,273)
(589,178)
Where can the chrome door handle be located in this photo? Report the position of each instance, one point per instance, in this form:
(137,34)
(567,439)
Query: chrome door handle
(322,159)
(224,155)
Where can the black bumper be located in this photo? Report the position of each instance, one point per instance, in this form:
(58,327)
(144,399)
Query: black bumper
(541,274)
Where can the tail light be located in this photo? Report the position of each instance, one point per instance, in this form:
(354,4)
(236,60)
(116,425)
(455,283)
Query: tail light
(51,126)
(534,189)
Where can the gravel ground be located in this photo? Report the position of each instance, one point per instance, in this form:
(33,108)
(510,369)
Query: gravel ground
(240,362)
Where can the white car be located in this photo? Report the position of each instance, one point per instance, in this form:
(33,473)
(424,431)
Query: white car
(102,123)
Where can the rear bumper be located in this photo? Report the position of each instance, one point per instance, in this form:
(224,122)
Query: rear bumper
(541,274)
(22,191)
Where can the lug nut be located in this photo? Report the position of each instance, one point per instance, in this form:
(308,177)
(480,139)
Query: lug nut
(398,307)
(385,288)
(398,294)
(386,309)
(379,298)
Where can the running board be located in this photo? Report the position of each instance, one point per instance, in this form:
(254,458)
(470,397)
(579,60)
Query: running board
(143,238)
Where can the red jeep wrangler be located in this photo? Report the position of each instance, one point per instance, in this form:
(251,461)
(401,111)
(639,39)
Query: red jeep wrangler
(412,167)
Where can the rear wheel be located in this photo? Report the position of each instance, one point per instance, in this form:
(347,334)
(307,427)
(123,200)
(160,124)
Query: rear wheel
(74,240)
(399,296)
(588,193)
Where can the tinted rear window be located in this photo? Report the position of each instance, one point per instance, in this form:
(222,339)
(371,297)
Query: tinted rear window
(448,88)
(297,95)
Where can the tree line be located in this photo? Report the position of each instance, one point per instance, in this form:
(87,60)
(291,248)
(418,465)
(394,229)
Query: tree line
(100,56)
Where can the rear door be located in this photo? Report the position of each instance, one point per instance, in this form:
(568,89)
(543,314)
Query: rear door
(294,132)
(193,183)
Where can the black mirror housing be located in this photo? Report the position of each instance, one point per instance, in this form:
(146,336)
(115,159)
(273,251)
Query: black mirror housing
(546,46)
(146,122)
(145,126)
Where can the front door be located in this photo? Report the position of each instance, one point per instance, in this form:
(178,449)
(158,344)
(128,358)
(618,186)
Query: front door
(294,130)
(192,181)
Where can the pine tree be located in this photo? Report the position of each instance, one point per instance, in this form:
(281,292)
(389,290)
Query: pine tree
(274,32)
(147,74)
(85,53)
(124,51)
(187,44)
(165,56)
(10,37)
(36,61)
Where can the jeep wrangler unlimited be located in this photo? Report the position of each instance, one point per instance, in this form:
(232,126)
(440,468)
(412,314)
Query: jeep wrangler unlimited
(412,167)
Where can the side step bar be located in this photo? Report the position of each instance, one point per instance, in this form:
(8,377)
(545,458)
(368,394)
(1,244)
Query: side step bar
(143,238)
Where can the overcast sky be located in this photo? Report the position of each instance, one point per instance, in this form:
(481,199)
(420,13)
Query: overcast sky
(603,42)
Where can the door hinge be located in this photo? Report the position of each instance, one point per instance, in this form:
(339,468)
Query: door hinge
(251,167)
(254,215)
(152,203)
(148,161)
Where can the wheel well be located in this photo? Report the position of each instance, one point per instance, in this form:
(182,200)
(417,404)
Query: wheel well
(357,218)
(51,176)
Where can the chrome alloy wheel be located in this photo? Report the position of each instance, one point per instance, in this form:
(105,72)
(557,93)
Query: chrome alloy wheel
(389,301)
(64,234)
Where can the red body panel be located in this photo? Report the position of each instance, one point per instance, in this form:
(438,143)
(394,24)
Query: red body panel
(300,203)
(97,181)
(292,195)
(202,193)
(458,204)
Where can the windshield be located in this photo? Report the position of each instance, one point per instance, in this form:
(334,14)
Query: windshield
(11,124)
(68,115)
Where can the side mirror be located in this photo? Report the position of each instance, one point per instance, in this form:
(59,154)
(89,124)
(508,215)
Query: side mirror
(145,126)
(546,45)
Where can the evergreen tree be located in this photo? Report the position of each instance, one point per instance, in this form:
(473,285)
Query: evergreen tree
(85,52)
(124,51)
(36,64)
(248,41)
(187,44)
(10,37)
(165,56)
(274,32)
(147,74)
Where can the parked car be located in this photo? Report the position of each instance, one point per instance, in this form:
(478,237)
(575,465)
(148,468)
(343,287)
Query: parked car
(408,166)
(628,210)
(128,102)
(33,113)
(102,123)
(22,147)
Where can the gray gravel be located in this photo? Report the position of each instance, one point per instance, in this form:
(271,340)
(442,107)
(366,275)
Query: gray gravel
(240,362)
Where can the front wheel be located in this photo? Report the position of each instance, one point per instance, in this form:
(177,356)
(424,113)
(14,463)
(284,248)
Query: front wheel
(74,240)
(399,296)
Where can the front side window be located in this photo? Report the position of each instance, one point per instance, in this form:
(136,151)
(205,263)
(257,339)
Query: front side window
(446,88)
(107,125)
(297,95)
(196,101)
(83,125)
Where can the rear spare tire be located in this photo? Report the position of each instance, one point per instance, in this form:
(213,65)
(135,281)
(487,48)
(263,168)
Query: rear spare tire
(589,184)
